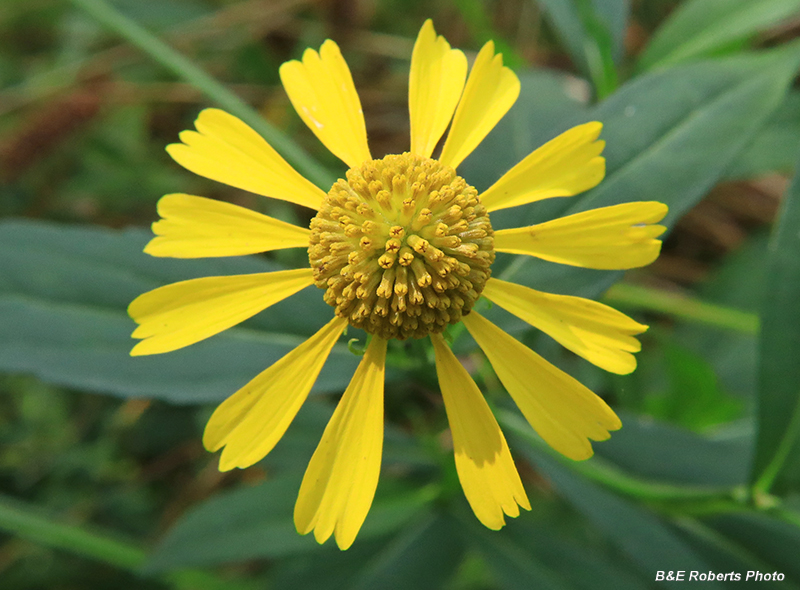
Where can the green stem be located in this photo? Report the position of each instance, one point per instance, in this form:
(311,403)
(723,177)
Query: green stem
(613,478)
(29,523)
(635,296)
(18,519)
(192,74)
(767,477)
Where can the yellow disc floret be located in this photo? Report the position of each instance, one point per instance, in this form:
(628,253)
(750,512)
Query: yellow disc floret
(403,247)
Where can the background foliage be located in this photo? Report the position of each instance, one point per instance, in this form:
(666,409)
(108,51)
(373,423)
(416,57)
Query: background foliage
(103,477)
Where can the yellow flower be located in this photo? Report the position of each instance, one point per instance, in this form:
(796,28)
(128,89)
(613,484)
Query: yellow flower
(403,248)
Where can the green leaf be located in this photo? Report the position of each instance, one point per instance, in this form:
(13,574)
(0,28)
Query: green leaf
(327,568)
(424,555)
(674,150)
(256,522)
(648,541)
(295,448)
(778,442)
(528,553)
(593,32)
(774,541)
(699,28)
(548,103)
(513,566)
(67,323)
(725,554)
(737,282)
(693,399)
(658,451)
(234,526)
(775,148)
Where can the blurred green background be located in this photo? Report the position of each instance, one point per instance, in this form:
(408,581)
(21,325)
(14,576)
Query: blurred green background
(103,479)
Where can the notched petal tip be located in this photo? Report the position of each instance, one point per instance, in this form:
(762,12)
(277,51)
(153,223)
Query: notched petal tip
(491,90)
(180,314)
(251,422)
(563,412)
(563,167)
(436,82)
(484,464)
(197,227)
(342,476)
(226,149)
(598,333)
(618,237)
(321,89)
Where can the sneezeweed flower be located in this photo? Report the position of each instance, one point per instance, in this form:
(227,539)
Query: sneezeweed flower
(402,248)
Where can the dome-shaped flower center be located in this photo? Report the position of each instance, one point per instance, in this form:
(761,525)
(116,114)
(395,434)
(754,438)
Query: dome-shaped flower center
(403,247)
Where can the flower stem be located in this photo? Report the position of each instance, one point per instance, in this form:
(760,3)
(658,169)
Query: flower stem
(29,523)
(687,308)
(615,479)
(213,89)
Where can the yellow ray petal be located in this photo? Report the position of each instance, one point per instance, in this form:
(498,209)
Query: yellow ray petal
(610,238)
(483,462)
(560,409)
(227,150)
(435,84)
(323,94)
(252,421)
(340,482)
(490,91)
(564,166)
(196,227)
(183,313)
(600,334)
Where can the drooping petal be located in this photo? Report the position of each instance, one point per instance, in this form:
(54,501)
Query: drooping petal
(600,334)
(436,81)
(227,150)
(563,167)
(564,412)
(196,227)
(323,94)
(609,238)
(483,462)
(341,478)
(252,421)
(490,91)
(183,313)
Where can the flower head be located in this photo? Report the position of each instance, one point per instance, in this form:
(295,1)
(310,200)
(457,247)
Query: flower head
(402,247)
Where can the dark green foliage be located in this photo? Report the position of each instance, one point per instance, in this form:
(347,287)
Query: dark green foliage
(103,477)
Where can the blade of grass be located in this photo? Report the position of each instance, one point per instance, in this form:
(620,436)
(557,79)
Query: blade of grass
(197,77)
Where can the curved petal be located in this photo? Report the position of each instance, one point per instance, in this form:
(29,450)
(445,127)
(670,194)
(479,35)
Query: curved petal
(252,421)
(560,409)
(491,90)
(435,84)
(610,238)
(196,227)
(341,478)
(600,334)
(183,313)
(483,462)
(227,150)
(564,166)
(323,94)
